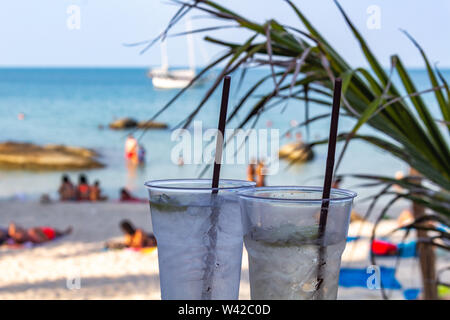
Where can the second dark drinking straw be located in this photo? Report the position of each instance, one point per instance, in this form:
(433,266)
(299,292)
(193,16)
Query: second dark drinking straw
(221,132)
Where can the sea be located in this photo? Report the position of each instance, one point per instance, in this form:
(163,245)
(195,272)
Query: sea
(73,106)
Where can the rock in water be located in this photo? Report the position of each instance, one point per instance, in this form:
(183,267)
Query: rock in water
(17,155)
(151,125)
(296,152)
(128,123)
(124,123)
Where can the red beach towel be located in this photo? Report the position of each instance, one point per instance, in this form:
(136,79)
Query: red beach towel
(383,248)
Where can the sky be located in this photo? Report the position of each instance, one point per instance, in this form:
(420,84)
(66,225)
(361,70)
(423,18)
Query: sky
(48,33)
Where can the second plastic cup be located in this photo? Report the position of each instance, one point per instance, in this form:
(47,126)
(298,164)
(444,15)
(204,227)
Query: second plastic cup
(199,236)
(281,229)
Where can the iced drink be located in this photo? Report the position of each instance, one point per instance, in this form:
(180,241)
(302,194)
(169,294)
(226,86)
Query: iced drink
(199,237)
(281,228)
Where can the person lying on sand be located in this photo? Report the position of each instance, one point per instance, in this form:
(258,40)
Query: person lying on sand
(95,192)
(134,238)
(35,235)
(125,196)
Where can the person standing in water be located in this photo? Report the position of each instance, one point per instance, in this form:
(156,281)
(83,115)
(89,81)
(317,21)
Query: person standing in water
(260,174)
(141,154)
(251,170)
(131,148)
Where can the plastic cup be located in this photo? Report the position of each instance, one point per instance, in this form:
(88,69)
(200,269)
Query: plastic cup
(281,228)
(199,236)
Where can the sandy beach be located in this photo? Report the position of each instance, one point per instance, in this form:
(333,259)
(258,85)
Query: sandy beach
(54,270)
(324,102)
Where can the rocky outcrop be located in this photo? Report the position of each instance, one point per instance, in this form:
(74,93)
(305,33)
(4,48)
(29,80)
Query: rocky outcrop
(16,155)
(128,123)
(296,152)
(124,123)
(151,125)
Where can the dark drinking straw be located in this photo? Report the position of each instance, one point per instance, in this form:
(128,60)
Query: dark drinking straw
(214,218)
(327,185)
(221,133)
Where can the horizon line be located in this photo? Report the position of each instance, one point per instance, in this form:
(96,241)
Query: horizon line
(146,67)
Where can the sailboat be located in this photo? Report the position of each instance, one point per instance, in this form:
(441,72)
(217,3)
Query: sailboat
(163,78)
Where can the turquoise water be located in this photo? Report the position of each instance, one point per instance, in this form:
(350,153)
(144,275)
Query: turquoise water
(66,106)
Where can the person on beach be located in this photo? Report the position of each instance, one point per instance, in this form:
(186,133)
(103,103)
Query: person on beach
(406,217)
(35,235)
(82,192)
(126,196)
(3,235)
(141,154)
(260,174)
(251,171)
(399,175)
(134,238)
(131,148)
(180,161)
(95,192)
(66,190)
(336,183)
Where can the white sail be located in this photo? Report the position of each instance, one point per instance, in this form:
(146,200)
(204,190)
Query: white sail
(163,70)
(164,78)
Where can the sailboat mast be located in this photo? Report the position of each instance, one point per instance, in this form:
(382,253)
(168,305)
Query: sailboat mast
(164,58)
(190,43)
